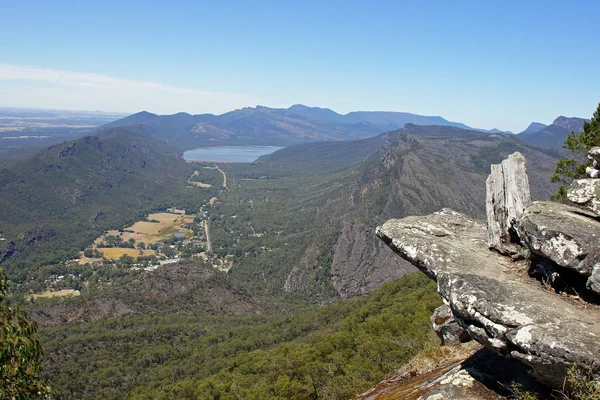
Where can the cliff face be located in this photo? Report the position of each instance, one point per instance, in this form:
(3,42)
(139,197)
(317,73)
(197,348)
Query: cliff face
(362,263)
(492,296)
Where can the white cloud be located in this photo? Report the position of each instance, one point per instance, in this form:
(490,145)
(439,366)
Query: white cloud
(26,86)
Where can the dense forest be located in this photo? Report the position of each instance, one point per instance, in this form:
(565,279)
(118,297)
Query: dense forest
(332,352)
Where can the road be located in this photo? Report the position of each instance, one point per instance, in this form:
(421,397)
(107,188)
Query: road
(207,232)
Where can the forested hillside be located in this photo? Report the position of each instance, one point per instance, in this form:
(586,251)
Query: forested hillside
(57,202)
(332,352)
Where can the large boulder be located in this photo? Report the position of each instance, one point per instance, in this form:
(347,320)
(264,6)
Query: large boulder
(585,193)
(507,195)
(568,236)
(490,298)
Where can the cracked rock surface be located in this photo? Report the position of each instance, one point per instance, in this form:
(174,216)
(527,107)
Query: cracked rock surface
(585,193)
(513,317)
(566,235)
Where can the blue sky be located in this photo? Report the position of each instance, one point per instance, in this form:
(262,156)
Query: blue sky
(488,64)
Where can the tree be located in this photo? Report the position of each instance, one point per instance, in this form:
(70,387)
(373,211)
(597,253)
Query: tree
(20,352)
(568,169)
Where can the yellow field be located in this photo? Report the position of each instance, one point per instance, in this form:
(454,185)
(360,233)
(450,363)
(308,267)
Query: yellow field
(58,293)
(118,252)
(151,232)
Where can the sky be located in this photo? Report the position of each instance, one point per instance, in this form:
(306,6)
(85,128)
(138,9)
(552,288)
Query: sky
(488,64)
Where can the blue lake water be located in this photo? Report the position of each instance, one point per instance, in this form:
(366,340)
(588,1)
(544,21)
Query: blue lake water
(228,153)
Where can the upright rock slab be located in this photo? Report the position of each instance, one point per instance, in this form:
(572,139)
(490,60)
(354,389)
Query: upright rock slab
(512,316)
(507,195)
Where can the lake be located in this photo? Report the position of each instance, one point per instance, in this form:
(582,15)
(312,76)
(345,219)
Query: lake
(244,154)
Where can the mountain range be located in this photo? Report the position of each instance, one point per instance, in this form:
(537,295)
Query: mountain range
(272,126)
(301,124)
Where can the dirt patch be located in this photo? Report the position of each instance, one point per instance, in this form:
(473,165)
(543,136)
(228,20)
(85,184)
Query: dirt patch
(198,184)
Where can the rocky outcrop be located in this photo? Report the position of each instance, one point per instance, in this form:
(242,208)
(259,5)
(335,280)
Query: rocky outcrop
(490,298)
(362,263)
(478,375)
(585,193)
(507,196)
(594,156)
(445,326)
(566,235)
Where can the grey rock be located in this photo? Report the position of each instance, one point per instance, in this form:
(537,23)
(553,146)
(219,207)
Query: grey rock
(477,376)
(593,282)
(514,317)
(585,193)
(507,195)
(594,153)
(445,326)
(592,172)
(362,263)
(566,235)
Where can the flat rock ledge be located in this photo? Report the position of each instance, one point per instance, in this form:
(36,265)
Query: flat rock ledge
(512,316)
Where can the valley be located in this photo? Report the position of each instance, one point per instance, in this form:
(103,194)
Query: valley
(224,245)
(278,200)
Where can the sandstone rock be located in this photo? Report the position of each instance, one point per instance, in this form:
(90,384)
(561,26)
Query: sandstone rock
(514,317)
(507,195)
(446,327)
(566,235)
(585,193)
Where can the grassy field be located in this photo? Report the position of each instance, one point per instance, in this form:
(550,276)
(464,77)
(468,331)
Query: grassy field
(118,252)
(151,232)
(57,293)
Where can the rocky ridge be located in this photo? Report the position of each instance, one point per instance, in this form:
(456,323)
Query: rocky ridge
(490,295)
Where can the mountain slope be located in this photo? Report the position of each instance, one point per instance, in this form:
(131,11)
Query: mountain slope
(55,203)
(553,136)
(533,128)
(325,196)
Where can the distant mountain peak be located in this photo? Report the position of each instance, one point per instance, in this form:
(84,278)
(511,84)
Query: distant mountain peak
(144,114)
(569,123)
(533,128)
